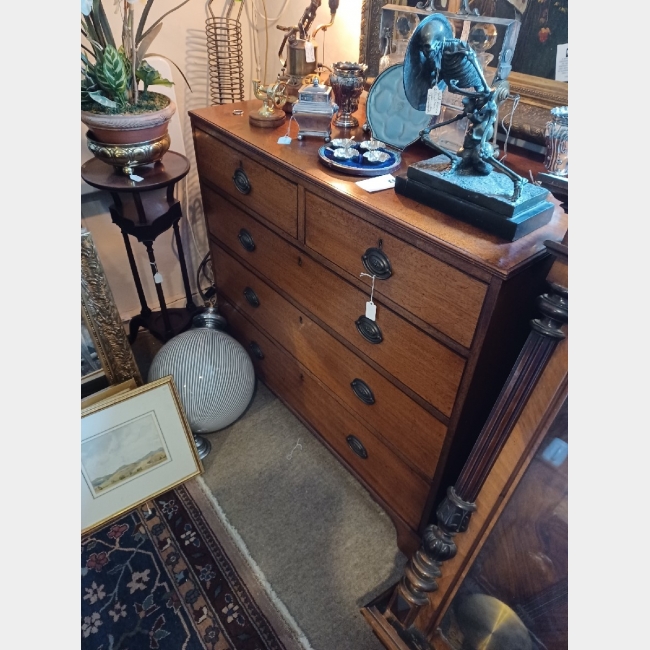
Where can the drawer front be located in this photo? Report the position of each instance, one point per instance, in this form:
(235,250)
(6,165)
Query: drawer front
(437,293)
(421,363)
(379,403)
(252,184)
(380,469)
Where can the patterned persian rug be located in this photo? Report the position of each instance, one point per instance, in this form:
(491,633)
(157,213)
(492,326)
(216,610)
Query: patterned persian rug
(168,576)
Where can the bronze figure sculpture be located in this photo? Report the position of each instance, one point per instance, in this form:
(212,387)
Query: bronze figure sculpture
(435,60)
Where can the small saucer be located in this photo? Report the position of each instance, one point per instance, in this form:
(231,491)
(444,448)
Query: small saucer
(375,157)
(345,154)
(371,145)
(344,143)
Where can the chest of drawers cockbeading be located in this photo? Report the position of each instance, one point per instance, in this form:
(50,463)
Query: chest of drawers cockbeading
(399,400)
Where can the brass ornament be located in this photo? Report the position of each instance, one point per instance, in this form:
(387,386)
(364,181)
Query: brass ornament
(125,157)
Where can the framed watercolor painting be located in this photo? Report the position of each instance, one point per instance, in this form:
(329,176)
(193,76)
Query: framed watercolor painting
(134,446)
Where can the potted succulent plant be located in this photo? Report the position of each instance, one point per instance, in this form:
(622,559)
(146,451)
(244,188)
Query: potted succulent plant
(117,103)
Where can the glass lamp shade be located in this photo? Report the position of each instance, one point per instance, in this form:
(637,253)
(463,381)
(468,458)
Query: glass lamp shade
(213,374)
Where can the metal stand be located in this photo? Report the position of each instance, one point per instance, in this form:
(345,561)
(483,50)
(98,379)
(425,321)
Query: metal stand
(203,446)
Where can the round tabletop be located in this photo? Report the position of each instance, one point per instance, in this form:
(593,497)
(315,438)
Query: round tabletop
(103,176)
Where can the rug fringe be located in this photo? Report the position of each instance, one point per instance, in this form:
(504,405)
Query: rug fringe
(241,545)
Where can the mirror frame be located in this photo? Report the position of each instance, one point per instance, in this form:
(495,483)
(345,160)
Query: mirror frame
(538,95)
(102,318)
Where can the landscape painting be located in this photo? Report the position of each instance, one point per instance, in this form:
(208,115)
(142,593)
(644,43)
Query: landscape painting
(117,455)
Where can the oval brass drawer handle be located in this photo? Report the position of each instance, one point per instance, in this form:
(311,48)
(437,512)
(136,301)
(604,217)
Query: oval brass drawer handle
(246,240)
(256,351)
(241,181)
(357,447)
(362,391)
(251,297)
(369,330)
(377,263)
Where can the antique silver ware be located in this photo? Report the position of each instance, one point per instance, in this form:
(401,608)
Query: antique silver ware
(314,110)
(376,157)
(347,153)
(366,170)
(347,80)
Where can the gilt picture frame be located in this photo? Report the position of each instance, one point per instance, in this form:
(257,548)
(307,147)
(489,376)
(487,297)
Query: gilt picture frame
(134,446)
(537,94)
(105,348)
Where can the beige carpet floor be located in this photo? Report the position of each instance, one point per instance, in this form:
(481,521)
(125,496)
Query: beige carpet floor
(322,543)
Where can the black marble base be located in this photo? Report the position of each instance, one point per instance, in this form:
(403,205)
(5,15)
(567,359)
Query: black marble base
(528,217)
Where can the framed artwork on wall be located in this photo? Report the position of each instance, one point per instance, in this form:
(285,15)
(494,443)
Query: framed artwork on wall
(134,446)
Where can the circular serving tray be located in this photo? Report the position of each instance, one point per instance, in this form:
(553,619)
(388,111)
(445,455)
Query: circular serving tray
(388,167)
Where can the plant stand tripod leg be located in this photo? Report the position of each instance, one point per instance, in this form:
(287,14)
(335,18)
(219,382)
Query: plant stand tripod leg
(181,257)
(161,296)
(145,312)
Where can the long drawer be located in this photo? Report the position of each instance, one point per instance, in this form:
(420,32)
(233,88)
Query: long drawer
(252,184)
(437,293)
(427,367)
(414,432)
(379,468)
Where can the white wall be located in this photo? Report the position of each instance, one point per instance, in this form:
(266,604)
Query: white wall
(183,40)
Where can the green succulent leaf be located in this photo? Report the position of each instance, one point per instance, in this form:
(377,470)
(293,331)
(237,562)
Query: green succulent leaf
(100,99)
(149,76)
(112,75)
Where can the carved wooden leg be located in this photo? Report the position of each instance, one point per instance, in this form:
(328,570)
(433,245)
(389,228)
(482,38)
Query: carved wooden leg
(453,514)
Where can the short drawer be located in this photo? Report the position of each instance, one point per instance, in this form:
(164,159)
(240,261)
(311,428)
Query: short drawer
(247,181)
(394,416)
(374,463)
(432,290)
(423,364)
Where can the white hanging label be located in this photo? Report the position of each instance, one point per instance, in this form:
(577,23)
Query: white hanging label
(157,278)
(434,101)
(371,310)
(465,33)
(285,139)
(310,57)
(136,178)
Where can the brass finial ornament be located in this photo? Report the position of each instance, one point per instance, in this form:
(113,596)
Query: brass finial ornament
(273,97)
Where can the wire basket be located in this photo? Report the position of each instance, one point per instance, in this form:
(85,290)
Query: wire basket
(225,56)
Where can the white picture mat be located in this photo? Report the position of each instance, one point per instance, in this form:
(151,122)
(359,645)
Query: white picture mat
(160,400)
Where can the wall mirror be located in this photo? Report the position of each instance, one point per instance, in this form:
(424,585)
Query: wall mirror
(544,26)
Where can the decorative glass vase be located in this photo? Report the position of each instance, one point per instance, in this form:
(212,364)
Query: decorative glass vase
(347,81)
(557,142)
(213,374)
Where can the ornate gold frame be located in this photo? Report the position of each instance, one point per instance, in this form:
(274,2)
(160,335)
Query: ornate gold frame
(102,318)
(537,95)
(111,401)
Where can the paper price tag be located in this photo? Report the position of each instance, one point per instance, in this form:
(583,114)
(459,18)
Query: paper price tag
(465,33)
(310,57)
(383,182)
(434,101)
(371,310)
(562,63)
(136,178)
(285,139)
(157,278)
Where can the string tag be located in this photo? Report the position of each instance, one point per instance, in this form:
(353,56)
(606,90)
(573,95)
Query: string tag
(434,101)
(157,278)
(310,56)
(136,178)
(371,308)
(286,138)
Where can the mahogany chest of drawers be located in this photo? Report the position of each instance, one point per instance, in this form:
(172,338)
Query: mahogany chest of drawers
(399,400)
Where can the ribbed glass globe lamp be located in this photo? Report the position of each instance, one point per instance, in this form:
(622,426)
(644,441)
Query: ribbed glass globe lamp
(213,374)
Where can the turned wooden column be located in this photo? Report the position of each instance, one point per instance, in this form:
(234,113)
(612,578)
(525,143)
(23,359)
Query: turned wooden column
(454,512)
